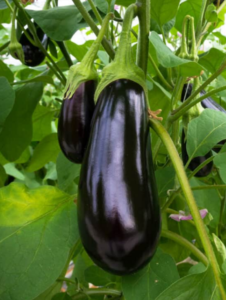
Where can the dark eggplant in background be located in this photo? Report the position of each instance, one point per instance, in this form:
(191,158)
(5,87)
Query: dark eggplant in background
(74,121)
(197,161)
(33,56)
(118,211)
(215,2)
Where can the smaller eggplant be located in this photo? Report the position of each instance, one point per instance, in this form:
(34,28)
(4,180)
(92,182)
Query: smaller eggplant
(197,161)
(33,56)
(74,121)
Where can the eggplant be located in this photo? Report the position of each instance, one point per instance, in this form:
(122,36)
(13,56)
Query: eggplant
(74,121)
(33,56)
(197,161)
(118,210)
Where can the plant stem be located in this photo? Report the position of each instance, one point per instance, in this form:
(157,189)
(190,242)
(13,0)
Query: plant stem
(181,110)
(176,114)
(208,160)
(96,292)
(200,21)
(185,243)
(33,31)
(65,53)
(66,280)
(183,180)
(95,11)
(107,46)
(221,214)
(144,28)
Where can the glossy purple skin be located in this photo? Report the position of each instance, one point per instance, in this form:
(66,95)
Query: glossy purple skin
(74,122)
(33,56)
(118,211)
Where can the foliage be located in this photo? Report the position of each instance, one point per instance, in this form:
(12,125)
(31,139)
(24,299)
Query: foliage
(38,185)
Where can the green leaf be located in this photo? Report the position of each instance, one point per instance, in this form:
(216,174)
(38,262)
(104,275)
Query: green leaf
(205,131)
(147,284)
(59,23)
(212,59)
(78,51)
(195,287)
(168,59)
(38,230)
(66,171)
(165,179)
(189,7)
(41,120)
(123,2)
(47,150)
(220,250)
(50,292)
(7,98)
(17,130)
(162,11)
(62,296)
(211,13)
(3,176)
(220,163)
(82,262)
(6,72)
(3,5)
(98,277)
(204,199)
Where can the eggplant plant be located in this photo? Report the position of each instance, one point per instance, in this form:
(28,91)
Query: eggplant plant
(112,150)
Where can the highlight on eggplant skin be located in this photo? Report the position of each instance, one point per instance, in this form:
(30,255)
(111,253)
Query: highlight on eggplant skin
(74,121)
(118,211)
(33,56)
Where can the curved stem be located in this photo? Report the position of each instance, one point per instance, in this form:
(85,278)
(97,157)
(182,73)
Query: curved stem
(184,108)
(65,53)
(185,243)
(95,11)
(97,292)
(144,28)
(183,180)
(107,46)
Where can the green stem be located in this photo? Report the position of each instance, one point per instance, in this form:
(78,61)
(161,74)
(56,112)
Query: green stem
(201,17)
(38,42)
(95,11)
(65,53)
(159,74)
(107,46)
(96,292)
(176,114)
(65,279)
(144,28)
(221,214)
(209,187)
(208,160)
(47,5)
(183,180)
(185,243)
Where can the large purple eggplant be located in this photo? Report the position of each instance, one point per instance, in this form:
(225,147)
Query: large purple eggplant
(118,209)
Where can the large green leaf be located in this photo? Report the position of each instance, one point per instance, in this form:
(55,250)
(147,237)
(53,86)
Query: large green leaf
(195,287)
(168,59)
(17,130)
(212,60)
(5,71)
(98,277)
(78,51)
(7,97)
(47,150)
(205,131)
(220,163)
(59,23)
(38,230)
(41,120)
(147,284)
(162,11)
(50,292)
